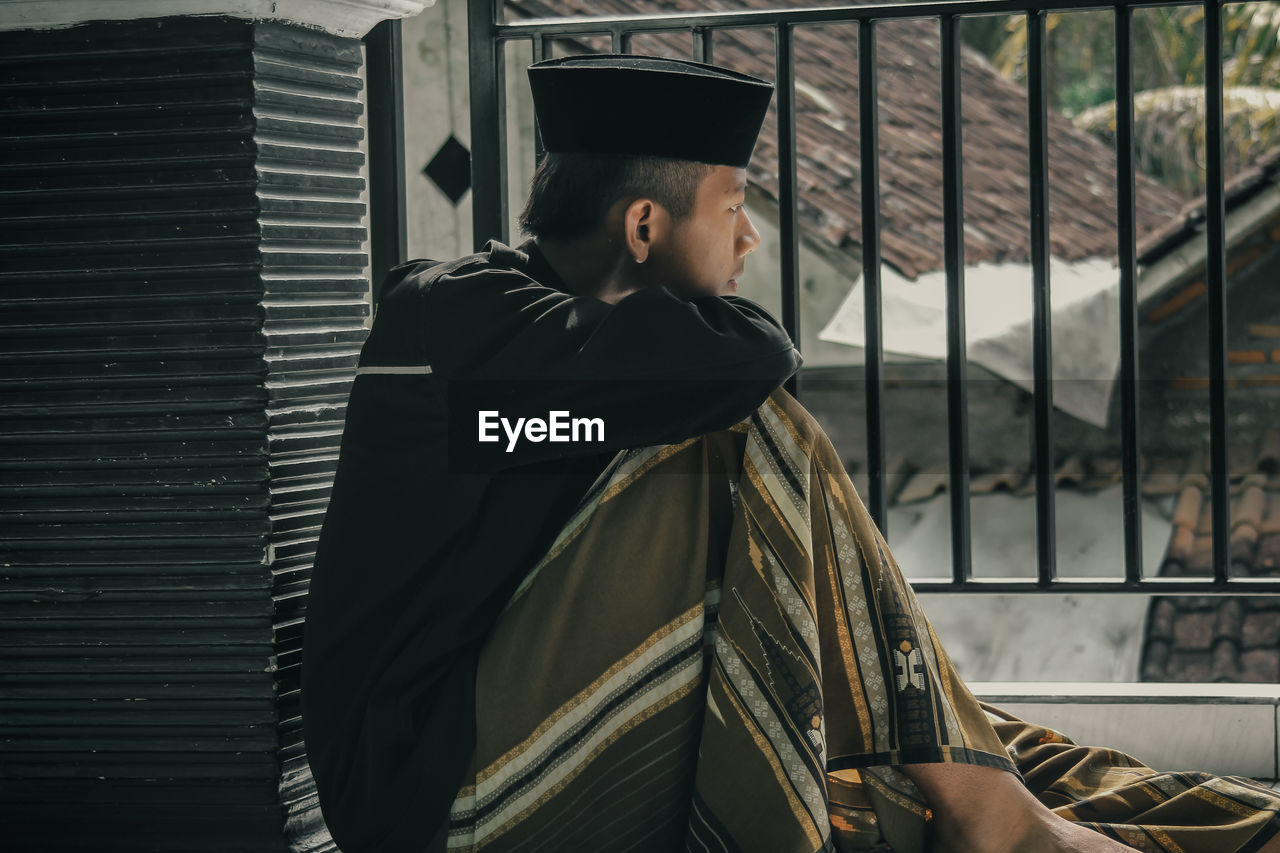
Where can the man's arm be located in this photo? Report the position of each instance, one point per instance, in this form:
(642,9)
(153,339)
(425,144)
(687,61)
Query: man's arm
(655,368)
(988,810)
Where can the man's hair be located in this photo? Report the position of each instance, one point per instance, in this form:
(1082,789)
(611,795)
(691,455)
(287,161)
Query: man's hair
(571,193)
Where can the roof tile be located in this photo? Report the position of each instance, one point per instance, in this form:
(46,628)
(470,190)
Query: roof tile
(1155,659)
(1266,559)
(1260,628)
(1194,630)
(1260,666)
(1237,190)
(1187,666)
(1225,662)
(1242,632)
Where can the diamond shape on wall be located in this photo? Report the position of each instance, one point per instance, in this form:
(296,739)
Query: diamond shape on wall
(450,169)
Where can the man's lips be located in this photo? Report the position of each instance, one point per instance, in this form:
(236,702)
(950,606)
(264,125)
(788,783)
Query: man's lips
(731,286)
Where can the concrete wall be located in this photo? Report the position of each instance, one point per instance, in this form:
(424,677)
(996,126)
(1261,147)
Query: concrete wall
(436,87)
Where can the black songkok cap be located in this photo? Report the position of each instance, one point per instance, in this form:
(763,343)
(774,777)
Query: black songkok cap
(648,106)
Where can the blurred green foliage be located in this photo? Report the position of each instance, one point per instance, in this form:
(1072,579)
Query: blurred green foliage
(1168,74)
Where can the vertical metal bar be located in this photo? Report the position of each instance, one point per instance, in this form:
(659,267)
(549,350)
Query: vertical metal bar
(788,236)
(1042,327)
(388,228)
(703,48)
(541,51)
(953,248)
(488,124)
(1130,434)
(621,41)
(1215,278)
(869,152)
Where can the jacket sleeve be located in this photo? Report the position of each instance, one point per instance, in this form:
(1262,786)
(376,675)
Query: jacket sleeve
(654,368)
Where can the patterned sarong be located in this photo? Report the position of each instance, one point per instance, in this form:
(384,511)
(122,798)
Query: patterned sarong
(719,653)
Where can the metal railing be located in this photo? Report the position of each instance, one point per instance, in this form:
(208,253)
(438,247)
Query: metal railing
(388,225)
(490,217)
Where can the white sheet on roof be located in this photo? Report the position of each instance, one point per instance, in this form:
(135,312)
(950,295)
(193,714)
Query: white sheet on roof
(1084,297)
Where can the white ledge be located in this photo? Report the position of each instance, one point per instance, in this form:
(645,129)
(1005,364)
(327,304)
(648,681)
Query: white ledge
(350,18)
(1112,692)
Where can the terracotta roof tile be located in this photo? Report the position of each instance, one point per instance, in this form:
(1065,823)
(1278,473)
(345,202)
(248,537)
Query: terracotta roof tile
(994,136)
(1225,663)
(1241,633)
(1187,512)
(1193,630)
(1269,452)
(922,486)
(1259,665)
(1071,472)
(1192,666)
(1264,171)
(1260,628)
(1266,559)
(1004,480)
(1155,659)
(1228,621)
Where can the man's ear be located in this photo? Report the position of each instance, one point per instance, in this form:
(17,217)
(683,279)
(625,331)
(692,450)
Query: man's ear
(644,222)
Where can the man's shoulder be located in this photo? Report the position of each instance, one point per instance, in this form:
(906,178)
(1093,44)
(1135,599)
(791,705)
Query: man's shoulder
(494,268)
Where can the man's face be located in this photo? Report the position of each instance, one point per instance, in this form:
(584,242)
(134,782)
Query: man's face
(707,249)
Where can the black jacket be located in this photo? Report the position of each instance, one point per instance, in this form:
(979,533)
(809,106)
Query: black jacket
(419,552)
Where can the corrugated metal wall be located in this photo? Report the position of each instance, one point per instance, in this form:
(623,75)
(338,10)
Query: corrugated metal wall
(315,303)
(182,299)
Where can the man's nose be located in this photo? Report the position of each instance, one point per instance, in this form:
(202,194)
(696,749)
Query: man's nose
(749,237)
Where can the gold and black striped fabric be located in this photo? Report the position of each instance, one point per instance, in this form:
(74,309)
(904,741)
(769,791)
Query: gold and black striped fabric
(718,653)
(1124,799)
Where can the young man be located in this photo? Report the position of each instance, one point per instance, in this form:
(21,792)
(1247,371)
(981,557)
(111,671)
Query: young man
(514,642)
